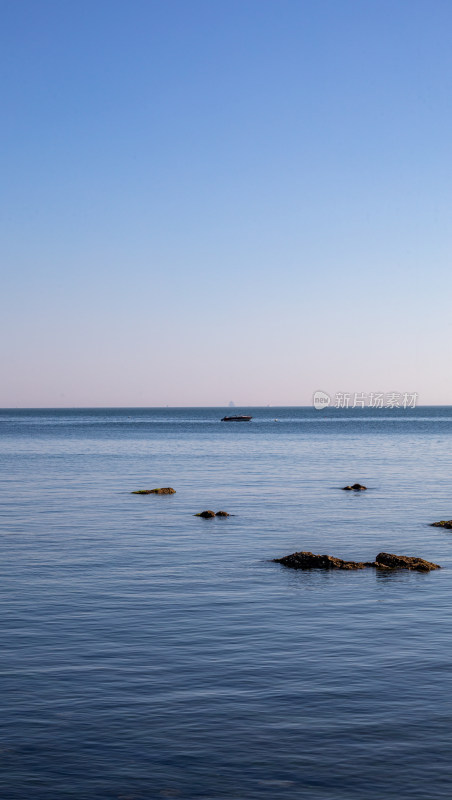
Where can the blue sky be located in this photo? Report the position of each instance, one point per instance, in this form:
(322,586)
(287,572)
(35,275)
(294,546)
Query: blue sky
(205,201)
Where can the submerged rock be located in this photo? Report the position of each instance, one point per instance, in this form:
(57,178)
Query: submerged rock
(444,523)
(391,561)
(357,487)
(167,490)
(210,514)
(306,560)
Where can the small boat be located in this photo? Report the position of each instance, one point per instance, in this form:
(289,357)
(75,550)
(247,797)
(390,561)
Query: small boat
(241,418)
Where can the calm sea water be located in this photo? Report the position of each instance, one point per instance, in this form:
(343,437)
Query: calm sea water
(147,653)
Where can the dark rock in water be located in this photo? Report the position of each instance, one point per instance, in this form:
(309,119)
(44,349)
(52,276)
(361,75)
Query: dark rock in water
(306,560)
(356,487)
(390,561)
(167,490)
(210,514)
(444,523)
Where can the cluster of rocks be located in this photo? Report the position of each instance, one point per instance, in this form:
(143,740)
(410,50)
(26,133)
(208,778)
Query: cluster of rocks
(167,490)
(306,560)
(387,561)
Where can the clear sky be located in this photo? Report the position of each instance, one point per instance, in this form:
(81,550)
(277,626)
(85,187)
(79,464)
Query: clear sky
(215,200)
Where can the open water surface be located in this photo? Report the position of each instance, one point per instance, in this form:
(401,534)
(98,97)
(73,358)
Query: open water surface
(147,653)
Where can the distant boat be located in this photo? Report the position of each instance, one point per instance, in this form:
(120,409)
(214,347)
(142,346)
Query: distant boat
(240,418)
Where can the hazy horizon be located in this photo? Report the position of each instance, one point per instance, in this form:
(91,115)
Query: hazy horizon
(237,407)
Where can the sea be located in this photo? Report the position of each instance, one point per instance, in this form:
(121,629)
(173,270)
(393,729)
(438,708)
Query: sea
(148,653)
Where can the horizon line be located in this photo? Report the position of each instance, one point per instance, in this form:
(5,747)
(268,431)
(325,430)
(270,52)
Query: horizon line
(237,407)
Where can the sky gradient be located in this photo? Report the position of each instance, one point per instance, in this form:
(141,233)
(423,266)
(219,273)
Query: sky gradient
(232,200)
